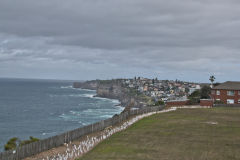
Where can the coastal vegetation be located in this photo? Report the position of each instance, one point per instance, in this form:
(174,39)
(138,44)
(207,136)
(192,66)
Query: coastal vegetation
(197,134)
(203,93)
(14,142)
(159,103)
(11,144)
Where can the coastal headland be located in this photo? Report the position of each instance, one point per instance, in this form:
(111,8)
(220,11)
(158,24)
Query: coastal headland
(114,89)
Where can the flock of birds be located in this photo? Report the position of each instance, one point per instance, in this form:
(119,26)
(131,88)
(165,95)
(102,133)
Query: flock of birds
(73,151)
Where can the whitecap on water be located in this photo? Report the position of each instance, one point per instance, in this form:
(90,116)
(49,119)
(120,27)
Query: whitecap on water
(66,87)
(84,123)
(49,133)
(81,95)
(86,89)
(115,101)
(106,116)
(73,112)
(88,95)
(73,95)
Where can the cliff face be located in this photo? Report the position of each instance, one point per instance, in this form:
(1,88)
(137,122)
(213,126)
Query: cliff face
(116,91)
(111,90)
(93,85)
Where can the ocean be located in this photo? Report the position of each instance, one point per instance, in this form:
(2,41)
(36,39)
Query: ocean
(44,108)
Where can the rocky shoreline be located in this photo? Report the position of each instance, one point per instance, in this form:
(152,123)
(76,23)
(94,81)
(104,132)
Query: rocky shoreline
(111,90)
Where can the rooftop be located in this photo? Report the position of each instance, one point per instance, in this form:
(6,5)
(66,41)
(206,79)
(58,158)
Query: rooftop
(230,85)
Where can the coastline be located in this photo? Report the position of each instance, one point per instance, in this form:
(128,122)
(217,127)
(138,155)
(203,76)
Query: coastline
(118,102)
(73,111)
(111,90)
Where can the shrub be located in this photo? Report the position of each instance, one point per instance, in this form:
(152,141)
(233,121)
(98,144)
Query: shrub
(31,140)
(14,142)
(195,97)
(11,144)
(159,103)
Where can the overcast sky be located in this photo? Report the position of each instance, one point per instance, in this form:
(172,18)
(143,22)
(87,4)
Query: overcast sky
(89,39)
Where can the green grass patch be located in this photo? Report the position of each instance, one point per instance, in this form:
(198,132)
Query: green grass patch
(186,134)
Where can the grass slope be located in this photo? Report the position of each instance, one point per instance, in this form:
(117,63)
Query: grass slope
(185,134)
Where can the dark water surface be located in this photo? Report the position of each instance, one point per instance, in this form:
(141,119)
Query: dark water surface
(44,108)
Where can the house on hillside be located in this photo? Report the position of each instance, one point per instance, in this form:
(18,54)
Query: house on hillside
(228,92)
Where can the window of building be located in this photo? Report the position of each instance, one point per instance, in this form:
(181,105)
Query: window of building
(230,93)
(218,92)
(230,101)
(218,99)
(238,92)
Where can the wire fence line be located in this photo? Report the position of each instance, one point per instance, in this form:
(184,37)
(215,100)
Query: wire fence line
(58,140)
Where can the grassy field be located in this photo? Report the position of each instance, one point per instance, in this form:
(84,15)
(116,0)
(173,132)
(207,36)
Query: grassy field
(186,134)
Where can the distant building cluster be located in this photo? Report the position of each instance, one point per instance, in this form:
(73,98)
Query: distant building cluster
(162,89)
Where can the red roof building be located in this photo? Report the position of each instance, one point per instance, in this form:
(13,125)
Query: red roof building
(228,93)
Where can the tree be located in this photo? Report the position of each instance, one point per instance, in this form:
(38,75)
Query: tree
(153,81)
(194,98)
(212,79)
(187,90)
(205,92)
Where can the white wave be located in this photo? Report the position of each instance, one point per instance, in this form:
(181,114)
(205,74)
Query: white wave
(73,112)
(46,133)
(106,116)
(84,123)
(73,95)
(115,101)
(86,89)
(69,117)
(121,108)
(62,115)
(88,95)
(100,98)
(82,95)
(65,95)
(66,87)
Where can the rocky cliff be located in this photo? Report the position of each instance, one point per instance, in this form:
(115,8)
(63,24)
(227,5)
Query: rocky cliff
(93,85)
(112,90)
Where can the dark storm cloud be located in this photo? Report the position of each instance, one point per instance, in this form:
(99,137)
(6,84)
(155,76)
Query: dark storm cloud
(120,38)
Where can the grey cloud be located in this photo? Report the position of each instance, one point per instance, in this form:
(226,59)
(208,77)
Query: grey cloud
(106,38)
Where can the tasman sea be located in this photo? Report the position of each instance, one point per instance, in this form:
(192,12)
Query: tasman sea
(44,108)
